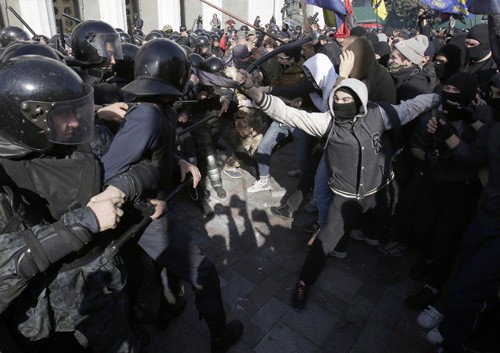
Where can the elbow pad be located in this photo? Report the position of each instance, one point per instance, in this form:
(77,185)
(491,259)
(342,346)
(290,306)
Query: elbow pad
(54,243)
(139,178)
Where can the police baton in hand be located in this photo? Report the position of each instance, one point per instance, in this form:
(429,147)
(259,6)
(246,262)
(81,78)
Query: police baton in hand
(147,209)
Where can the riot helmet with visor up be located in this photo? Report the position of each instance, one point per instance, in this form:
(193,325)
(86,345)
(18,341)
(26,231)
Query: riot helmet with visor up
(95,41)
(43,101)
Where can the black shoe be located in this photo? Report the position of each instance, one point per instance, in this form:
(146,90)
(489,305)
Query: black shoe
(421,270)
(234,330)
(299,296)
(422,299)
(221,193)
(282,211)
(311,228)
(206,210)
(169,312)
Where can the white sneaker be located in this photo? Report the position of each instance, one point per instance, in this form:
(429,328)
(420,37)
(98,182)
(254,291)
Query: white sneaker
(434,336)
(429,318)
(259,186)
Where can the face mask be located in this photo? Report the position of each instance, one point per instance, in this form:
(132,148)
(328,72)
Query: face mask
(453,97)
(394,67)
(346,111)
(440,71)
(478,52)
(284,67)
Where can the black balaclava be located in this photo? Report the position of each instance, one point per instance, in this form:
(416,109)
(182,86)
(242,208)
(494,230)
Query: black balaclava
(456,54)
(467,84)
(480,33)
(347,111)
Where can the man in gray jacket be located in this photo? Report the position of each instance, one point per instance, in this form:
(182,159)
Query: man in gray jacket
(358,156)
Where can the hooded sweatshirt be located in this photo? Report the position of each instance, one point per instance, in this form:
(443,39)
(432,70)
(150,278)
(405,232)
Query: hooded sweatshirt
(324,74)
(367,69)
(358,152)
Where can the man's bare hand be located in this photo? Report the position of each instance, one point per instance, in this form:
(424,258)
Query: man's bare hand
(160,208)
(346,63)
(113,112)
(107,212)
(109,193)
(186,168)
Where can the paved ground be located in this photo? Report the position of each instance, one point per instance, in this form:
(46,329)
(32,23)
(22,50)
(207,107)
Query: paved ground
(356,305)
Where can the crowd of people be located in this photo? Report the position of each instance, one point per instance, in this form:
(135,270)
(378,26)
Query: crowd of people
(396,137)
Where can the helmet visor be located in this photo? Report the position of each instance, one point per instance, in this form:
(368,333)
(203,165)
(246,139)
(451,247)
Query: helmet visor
(108,44)
(71,122)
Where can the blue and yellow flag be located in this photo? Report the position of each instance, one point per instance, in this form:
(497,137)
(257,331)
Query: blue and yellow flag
(450,6)
(379,9)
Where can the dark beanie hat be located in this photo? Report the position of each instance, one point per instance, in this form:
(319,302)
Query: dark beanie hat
(466,83)
(358,31)
(480,33)
(372,37)
(382,48)
(294,53)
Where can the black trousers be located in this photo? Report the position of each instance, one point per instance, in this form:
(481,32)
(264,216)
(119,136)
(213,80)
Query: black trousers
(441,222)
(342,215)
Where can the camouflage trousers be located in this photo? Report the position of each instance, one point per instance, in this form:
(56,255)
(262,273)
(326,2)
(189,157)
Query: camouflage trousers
(87,300)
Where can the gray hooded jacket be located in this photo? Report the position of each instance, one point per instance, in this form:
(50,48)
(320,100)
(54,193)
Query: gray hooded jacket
(358,152)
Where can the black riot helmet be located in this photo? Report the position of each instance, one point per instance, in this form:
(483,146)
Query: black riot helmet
(244,28)
(213,64)
(159,32)
(124,37)
(125,67)
(94,41)
(161,68)
(174,37)
(202,41)
(12,34)
(138,31)
(43,101)
(196,60)
(28,48)
(153,35)
(138,40)
(187,49)
(200,32)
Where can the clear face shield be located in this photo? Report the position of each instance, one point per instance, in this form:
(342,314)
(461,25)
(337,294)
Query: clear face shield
(107,44)
(67,122)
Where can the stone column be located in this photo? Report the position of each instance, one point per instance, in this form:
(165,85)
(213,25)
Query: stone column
(38,14)
(109,11)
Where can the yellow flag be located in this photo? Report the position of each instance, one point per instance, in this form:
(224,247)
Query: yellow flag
(379,9)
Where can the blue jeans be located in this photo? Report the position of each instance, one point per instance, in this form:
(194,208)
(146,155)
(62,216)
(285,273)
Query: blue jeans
(276,133)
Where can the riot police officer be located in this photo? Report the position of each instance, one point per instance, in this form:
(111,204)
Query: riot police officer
(162,71)
(48,222)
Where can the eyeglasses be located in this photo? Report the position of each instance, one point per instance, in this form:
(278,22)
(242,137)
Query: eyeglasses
(343,100)
(283,57)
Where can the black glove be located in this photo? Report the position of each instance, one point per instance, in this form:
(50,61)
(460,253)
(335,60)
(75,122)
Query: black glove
(468,116)
(444,132)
